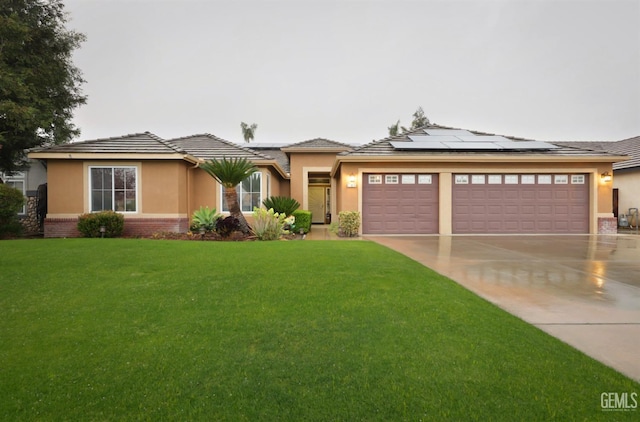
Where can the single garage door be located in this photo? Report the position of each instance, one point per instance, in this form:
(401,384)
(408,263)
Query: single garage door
(520,203)
(400,203)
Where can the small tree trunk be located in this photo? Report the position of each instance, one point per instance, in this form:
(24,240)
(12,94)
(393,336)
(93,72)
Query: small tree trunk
(231,195)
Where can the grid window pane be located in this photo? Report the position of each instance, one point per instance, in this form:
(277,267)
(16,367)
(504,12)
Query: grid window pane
(249,193)
(113,188)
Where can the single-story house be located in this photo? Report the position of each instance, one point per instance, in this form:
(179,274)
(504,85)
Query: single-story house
(434,180)
(626,174)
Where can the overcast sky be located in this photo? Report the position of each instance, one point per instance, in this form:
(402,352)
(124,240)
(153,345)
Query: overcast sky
(346,70)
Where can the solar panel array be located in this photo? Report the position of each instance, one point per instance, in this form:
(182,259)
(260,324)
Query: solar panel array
(463,140)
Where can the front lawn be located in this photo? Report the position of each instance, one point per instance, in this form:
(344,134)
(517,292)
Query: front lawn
(122,329)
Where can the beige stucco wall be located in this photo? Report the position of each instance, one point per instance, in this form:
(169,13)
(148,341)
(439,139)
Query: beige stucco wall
(350,199)
(301,165)
(163,187)
(628,185)
(65,189)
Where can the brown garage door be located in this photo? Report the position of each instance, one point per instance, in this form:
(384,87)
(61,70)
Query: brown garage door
(400,203)
(516,203)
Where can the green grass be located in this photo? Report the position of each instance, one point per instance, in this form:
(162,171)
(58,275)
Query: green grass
(122,329)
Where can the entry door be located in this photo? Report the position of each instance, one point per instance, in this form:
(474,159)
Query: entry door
(317,203)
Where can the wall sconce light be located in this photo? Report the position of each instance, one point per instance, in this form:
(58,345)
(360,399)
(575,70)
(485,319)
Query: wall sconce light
(606,176)
(351,181)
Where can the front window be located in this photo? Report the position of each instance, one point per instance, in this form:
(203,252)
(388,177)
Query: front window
(113,188)
(16,181)
(249,193)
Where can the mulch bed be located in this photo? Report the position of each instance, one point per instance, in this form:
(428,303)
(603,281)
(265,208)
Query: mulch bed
(213,236)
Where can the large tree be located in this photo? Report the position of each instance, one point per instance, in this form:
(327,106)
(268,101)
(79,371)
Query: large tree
(248,131)
(230,173)
(39,85)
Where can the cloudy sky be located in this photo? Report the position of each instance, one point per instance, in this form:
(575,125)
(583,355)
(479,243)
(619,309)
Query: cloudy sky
(346,70)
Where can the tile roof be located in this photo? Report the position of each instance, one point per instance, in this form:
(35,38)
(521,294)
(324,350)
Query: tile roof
(319,143)
(277,154)
(630,147)
(143,143)
(207,146)
(384,147)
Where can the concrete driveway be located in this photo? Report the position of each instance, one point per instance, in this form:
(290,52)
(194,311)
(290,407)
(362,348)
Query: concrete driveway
(584,290)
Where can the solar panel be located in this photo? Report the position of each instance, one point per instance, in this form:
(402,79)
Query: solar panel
(526,145)
(450,132)
(422,138)
(463,140)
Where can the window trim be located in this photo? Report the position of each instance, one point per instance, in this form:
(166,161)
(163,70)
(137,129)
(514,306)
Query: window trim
(18,177)
(113,166)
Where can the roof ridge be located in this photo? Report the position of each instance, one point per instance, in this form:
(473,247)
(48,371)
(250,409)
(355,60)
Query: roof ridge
(318,139)
(224,141)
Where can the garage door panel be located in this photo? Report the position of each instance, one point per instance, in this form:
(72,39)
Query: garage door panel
(518,208)
(401,208)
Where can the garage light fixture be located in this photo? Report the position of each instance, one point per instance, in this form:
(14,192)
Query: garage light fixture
(351,181)
(606,176)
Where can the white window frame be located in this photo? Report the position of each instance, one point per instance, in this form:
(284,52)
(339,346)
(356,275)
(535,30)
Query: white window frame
(528,179)
(462,179)
(425,179)
(375,179)
(113,200)
(241,195)
(478,179)
(495,179)
(408,179)
(561,179)
(544,179)
(578,179)
(511,179)
(391,179)
(18,177)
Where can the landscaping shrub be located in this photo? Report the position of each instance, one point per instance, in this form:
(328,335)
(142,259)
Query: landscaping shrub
(89,224)
(226,226)
(204,218)
(11,201)
(303,220)
(267,225)
(349,223)
(282,204)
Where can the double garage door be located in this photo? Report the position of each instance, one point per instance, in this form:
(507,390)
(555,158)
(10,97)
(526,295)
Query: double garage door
(481,203)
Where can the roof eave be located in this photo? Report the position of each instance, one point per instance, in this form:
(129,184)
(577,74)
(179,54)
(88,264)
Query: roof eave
(314,150)
(71,155)
(468,158)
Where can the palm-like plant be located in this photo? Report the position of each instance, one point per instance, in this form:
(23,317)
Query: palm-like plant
(230,173)
(248,132)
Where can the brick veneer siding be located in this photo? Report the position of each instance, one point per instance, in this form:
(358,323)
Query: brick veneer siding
(61,227)
(607,225)
(133,227)
(147,226)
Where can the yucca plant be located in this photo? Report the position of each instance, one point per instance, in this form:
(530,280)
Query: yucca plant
(230,173)
(204,218)
(268,225)
(281,204)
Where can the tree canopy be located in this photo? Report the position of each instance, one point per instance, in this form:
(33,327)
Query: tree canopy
(419,120)
(39,85)
(248,131)
(230,173)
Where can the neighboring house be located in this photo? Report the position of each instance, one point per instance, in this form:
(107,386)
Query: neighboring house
(432,180)
(626,174)
(32,183)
